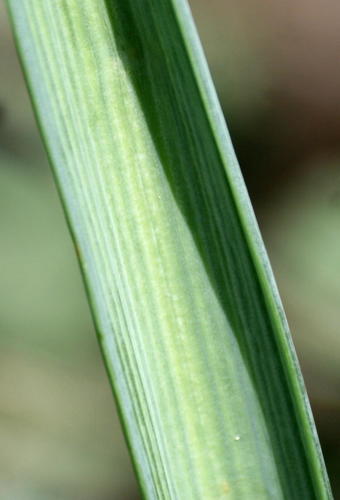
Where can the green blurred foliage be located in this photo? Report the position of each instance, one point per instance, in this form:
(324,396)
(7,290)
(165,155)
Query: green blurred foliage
(275,69)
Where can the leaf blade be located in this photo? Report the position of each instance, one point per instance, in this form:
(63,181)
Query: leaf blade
(176,270)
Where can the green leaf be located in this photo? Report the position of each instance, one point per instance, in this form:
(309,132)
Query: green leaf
(190,323)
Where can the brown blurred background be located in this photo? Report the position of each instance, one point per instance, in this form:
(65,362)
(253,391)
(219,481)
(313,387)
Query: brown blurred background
(276,67)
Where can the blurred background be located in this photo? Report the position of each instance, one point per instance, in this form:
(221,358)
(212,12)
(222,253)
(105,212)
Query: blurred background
(276,67)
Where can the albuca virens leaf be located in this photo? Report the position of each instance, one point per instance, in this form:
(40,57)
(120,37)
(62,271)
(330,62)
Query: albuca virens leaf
(190,323)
